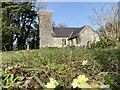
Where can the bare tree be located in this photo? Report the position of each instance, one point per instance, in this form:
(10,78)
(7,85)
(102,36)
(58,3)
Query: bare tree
(107,19)
(62,25)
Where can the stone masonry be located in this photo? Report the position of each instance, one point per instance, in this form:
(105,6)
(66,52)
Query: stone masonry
(45,28)
(61,37)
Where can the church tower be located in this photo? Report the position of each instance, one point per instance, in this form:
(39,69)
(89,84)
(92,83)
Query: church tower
(45,28)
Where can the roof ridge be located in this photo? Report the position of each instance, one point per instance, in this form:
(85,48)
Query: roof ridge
(71,34)
(66,31)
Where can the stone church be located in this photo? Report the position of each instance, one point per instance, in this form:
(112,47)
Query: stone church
(61,37)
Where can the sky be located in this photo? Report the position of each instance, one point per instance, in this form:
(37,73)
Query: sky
(74,14)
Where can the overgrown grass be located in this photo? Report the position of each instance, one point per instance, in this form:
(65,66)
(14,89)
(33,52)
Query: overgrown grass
(65,64)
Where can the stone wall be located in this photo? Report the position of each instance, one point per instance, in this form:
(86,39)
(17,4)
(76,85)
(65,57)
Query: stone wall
(58,42)
(45,28)
(88,36)
(96,37)
(46,31)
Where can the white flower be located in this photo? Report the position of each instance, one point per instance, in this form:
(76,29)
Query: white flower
(84,85)
(52,84)
(81,79)
(84,62)
(75,83)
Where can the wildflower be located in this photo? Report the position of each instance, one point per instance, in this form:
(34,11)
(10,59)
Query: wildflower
(84,62)
(52,84)
(85,85)
(94,85)
(105,86)
(75,83)
(81,79)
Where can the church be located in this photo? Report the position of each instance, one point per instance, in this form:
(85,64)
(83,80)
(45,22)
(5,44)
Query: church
(63,36)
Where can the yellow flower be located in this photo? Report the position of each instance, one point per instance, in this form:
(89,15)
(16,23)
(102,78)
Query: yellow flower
(81,79)
(75,83)
(52,84)
(84,62)
(85,85)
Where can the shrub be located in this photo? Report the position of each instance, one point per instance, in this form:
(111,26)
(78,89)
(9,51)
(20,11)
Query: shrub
(104,42)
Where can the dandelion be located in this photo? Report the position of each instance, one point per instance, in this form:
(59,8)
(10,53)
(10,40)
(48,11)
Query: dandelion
(81,79)
(52,84)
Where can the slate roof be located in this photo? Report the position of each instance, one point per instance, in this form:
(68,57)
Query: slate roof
(66,32)
(76,32)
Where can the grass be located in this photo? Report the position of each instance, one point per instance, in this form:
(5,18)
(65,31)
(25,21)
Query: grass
(65,64)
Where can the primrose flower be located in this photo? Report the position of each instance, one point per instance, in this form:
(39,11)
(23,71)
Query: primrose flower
(85,85)
(94,85)
(81,79)
(75,83)
(52,84)
(84,62)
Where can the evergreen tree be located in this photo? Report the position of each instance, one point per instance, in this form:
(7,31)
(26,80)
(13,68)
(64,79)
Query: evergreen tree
(18,23)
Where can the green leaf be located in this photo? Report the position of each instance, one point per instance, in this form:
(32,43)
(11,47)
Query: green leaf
(11,77)
(17,84)
(7,83)
(105,86)
(7,76)
(39,81)
(19,78)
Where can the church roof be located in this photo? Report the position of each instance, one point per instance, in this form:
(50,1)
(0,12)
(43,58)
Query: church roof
(66,32)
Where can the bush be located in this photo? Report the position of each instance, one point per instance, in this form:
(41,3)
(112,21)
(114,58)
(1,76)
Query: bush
(104,42)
